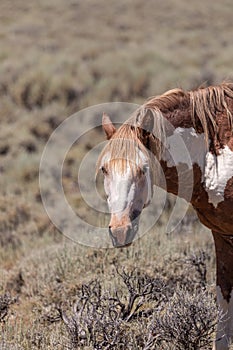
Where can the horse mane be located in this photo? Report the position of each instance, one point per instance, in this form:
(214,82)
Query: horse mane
(201,106)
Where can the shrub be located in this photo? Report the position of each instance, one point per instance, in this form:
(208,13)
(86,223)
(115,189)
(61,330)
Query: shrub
(149,315)
(187,321)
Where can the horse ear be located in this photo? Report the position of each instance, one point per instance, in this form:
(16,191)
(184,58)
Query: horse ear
(145,120)
(108,126)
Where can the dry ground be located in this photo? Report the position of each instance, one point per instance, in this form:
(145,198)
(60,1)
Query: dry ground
(58,57)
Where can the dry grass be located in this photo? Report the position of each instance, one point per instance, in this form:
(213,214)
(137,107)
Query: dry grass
(55,59)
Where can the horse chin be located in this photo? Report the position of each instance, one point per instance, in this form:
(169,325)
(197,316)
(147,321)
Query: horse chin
(122,246)
(118,245)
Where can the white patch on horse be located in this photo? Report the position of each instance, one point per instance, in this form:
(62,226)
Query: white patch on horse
(225,326)
(123,187)
(185,146)
(218,170)
(121,191)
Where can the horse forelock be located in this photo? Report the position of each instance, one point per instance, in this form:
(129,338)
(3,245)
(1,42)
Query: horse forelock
(124,150)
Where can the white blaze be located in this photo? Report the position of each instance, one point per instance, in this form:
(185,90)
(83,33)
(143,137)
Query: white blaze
(121,188)
(122,191)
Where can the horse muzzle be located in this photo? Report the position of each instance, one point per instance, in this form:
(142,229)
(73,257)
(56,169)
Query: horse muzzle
(122,236)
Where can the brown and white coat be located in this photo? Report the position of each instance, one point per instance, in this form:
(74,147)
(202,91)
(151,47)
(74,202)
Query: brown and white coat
(203,119)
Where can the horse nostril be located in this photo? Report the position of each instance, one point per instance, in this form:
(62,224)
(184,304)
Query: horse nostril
(135,214)
(110,230)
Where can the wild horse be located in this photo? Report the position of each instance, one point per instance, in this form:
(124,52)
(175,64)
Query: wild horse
(145,145)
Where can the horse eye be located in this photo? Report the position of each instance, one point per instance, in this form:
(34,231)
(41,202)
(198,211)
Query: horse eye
(104,171)
(144,170)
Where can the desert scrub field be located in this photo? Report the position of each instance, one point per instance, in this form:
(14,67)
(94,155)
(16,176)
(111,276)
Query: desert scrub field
(56,58)
(145,297)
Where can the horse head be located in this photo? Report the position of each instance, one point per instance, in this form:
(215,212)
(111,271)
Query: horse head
(127,177)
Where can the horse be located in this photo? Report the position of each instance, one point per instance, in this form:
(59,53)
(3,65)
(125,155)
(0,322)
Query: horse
(145,145)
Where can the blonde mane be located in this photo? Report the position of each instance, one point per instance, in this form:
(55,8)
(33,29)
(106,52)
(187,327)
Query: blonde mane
(206,102)
(199,106)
